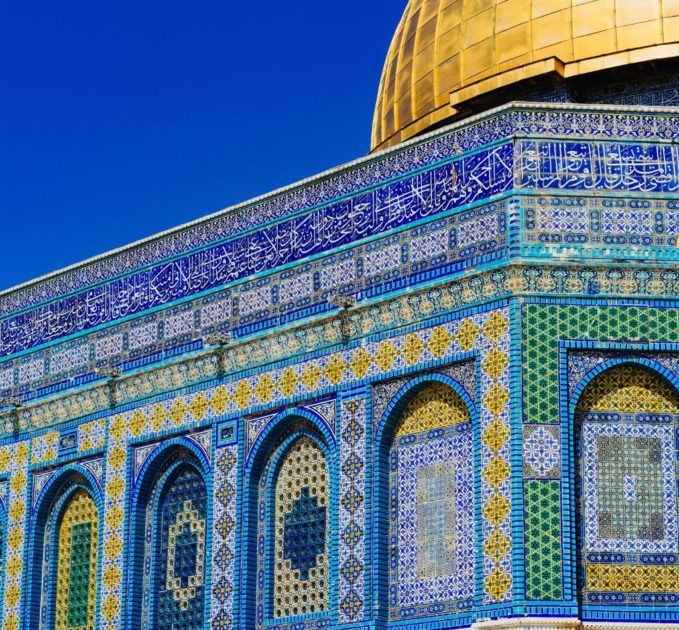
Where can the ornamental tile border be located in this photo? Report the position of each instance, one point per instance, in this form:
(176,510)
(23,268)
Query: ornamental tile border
(518,118)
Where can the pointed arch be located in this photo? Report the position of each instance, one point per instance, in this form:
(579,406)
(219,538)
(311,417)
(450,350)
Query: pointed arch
(66,542)
(626,422)
(289,520)
(425,499)
(170,539)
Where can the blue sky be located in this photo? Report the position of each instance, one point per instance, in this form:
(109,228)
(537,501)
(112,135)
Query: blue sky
(122,119)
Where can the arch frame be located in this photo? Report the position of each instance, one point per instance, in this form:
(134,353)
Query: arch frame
(382,444)
(629,354)
(47,513)
(268,453)
(151,485)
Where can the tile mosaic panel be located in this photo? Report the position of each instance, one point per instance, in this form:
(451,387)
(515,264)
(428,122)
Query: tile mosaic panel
(614,166)
(78,545)
(449,244)
(485,334)
(601,227)
(371,213)
(626,429)
(544,556)
(178,586)
(352,510)
(568,120)
(14,460)
(544,326)
(431,491)
(293,535)
(529,279)
(224,538)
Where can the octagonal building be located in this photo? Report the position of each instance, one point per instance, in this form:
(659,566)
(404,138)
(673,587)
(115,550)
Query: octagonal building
(437,387)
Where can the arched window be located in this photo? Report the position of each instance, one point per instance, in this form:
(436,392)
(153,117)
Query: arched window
(175,547)
(293,531)
(66,555)
(626,425)
(431,506)
(77,563)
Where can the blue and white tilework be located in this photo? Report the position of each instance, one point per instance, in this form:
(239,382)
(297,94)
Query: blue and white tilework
(224,538)
(432,506)
(352,510)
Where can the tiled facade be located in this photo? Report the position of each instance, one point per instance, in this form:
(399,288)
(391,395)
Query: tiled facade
(489,433)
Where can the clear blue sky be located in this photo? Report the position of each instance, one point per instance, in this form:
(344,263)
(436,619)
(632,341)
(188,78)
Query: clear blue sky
(122,119)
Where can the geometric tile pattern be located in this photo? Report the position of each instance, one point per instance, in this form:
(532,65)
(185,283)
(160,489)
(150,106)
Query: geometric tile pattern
(76,587)
(542,500)
(628,389)
(115,504)
(324,228)
(544,325)
(224,537)
(178,589)
(45,447)
(493,343)
(478,231)
(626,424)
(435,407)
(91,435)
(352,510)
(485,333)
(301,532)
(14,463)
(403,310)
(541,452)
(468,134)
(431,556)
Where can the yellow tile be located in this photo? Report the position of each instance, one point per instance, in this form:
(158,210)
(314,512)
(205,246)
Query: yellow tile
(451,16)
(594,45)
(423,61)
(424,94)
(426,35)
(593,17)
(638,35)
(448,76)
(511,13)
(449,43)
(552,29)
(510,64)
(404,82)
(513,43)
(670,8)
(630,12)
(474,7)
(671,29)
(478,28)
(562,51)
(430,9)
(404,110)
(545,7)
(478,59)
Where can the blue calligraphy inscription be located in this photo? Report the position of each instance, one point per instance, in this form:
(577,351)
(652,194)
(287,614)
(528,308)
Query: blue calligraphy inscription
(469,179)
(613,166)
(515,121)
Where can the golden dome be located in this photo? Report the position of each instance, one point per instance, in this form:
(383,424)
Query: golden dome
(445,52)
